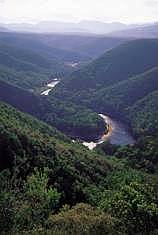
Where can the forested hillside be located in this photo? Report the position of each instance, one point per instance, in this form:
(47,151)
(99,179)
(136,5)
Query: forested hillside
(74,120)
(124,94)
(113,83)
(44,171)
(49,182)
(92,46)
(27,62)
(116,65)
(31,60)
(79,47)
(144,115)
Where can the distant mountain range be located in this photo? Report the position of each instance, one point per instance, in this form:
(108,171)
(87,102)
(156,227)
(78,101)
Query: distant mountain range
(86,27)
(114,29)
(145,31)
(3,29)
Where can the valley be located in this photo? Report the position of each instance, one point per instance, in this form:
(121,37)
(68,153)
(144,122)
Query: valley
(78,134)
(116,132)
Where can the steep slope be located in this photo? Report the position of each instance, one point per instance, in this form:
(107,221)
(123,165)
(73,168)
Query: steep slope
(23,59)
(26,68)
(44,171)
(115,89)
(27,143)
(35,43)
(76,121)
(124,94)
(144,115)
(133,101)
(69,47)
(115,65)
(32,62)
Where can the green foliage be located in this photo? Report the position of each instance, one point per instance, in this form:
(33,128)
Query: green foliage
(117,179)
(37,201)
(75,120)
(135,206)
(48,171)
(143,155)
(144,115)
(27,143)
(6,202)
(120,83)
(82,220)
(115,65)
(28,62)
(27,206)
(45,170)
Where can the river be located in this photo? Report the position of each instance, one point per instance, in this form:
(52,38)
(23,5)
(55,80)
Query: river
(50,86)
(118,134)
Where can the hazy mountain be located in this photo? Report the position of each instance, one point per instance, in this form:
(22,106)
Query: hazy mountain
(64,47)
(3,29)
(86,27)
(102,27)
(92,46)
(146,31)
(26,60)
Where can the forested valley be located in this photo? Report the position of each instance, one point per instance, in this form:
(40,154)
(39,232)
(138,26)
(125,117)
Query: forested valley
(49,182)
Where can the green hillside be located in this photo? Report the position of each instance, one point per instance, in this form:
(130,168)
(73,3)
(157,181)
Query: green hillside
(29,143)
(144,115)
(26,68)
(74,120)
(41,171)
(36,43)
(133,101)
(92,46)
(116,89)
(124,94)
(118,64)
(29,63)
(50,184)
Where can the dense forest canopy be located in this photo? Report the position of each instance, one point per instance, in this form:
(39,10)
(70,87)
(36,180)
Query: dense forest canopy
(117,81)
(49,182)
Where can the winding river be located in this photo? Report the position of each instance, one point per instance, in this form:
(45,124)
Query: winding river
(118,133)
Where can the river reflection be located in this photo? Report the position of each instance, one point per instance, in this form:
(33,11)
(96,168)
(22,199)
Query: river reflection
(118,134)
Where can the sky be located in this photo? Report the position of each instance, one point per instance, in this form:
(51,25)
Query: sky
(32,11)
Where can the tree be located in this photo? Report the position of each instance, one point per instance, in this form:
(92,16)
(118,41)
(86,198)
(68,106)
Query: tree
(37,201)
(135,206)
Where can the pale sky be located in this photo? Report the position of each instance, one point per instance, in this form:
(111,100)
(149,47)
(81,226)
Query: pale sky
(127,11)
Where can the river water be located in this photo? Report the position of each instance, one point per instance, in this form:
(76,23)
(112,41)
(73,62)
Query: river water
(50,86)
(118,134)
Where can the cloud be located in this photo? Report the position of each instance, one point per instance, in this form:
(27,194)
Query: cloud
(151,3)
(127,11)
